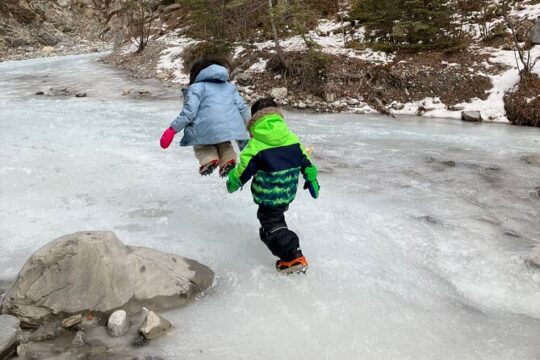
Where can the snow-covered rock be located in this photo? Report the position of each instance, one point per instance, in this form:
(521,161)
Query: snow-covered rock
(154,326)
(471,116)
(96,271)
(9,326)
(118,323)
(279,93)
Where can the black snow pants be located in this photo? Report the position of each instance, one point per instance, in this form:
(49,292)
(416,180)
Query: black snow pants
(281,241)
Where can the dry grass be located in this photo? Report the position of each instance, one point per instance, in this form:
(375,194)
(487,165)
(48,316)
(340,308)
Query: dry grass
(522,105)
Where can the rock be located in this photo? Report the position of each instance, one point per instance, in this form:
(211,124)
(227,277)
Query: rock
(58,92)
(71,321)
(154,326)
(330,97)
(9,326)
(302,105)
(80,94)
(244,79)
(531,159)
(95,270)
(118,324)
(471,116)
(89,321)
(279,93)
(397,106)
(47,49)
(172,8)
(126,92)
(535,33)
(79,339)
(534,259)
(450,163)
(48,39)
(139,340)
(38,93)
(48,331)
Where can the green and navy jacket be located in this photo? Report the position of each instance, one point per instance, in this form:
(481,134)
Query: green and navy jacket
(274,157)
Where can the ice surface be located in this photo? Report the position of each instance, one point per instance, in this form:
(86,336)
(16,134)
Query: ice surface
(411,257)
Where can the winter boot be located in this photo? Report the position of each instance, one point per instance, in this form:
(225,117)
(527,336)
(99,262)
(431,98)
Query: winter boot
(298,265)
(226,168)
(209,168)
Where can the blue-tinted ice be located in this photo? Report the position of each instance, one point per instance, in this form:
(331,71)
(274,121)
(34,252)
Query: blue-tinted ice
(417,246)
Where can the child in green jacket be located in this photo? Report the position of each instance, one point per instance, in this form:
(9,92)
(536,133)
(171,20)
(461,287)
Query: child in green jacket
(274,157)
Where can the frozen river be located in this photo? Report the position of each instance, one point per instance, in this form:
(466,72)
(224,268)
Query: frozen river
(417,245)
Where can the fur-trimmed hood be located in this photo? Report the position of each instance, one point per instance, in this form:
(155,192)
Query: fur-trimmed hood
(268,127)
(262,113)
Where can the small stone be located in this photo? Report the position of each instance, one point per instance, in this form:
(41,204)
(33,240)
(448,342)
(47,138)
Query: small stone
(48,331)
(397,106)
(154,326)
(80,94)
(89,321)
(471,116)
(279,93)
(244,79)
(47,49)
(450,163)
(40,93)
(172,7)
(8,335)
(79,339)
(531,159)
(302,105)
(71,321)
(330,97)
(140,340)
(126,92)
(118,324)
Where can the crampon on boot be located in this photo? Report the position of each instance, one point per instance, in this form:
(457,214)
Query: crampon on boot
(226,169)
(209,168)
(298,265)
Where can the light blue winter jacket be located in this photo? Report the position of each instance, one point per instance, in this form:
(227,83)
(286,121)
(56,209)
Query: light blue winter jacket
(214,111)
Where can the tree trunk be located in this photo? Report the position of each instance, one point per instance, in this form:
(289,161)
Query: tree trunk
(275,34)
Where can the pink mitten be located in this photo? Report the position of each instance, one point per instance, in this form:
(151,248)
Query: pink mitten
(167,138)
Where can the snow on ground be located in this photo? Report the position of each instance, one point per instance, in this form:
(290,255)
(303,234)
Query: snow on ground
(171,58)
(492,109)
(411,258)
(330,39)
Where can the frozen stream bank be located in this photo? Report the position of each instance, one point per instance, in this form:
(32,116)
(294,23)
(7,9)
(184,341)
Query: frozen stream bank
(412,256)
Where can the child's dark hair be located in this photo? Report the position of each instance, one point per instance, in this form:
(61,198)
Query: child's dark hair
(202,64)
(263,104)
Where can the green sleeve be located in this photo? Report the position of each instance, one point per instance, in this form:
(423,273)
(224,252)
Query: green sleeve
(247,166)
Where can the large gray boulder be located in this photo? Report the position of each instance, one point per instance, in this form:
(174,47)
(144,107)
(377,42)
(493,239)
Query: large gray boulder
(9,326)
(95,271)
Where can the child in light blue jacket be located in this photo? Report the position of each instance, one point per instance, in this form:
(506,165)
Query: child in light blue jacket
(214,115)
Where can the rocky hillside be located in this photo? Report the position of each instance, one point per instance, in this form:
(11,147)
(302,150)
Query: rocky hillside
(460,61)
(30,28)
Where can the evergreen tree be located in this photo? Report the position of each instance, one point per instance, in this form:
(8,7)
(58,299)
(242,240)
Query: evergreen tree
(413,24)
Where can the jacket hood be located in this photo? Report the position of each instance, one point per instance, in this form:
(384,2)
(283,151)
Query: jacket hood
(213,73)
(269,127)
